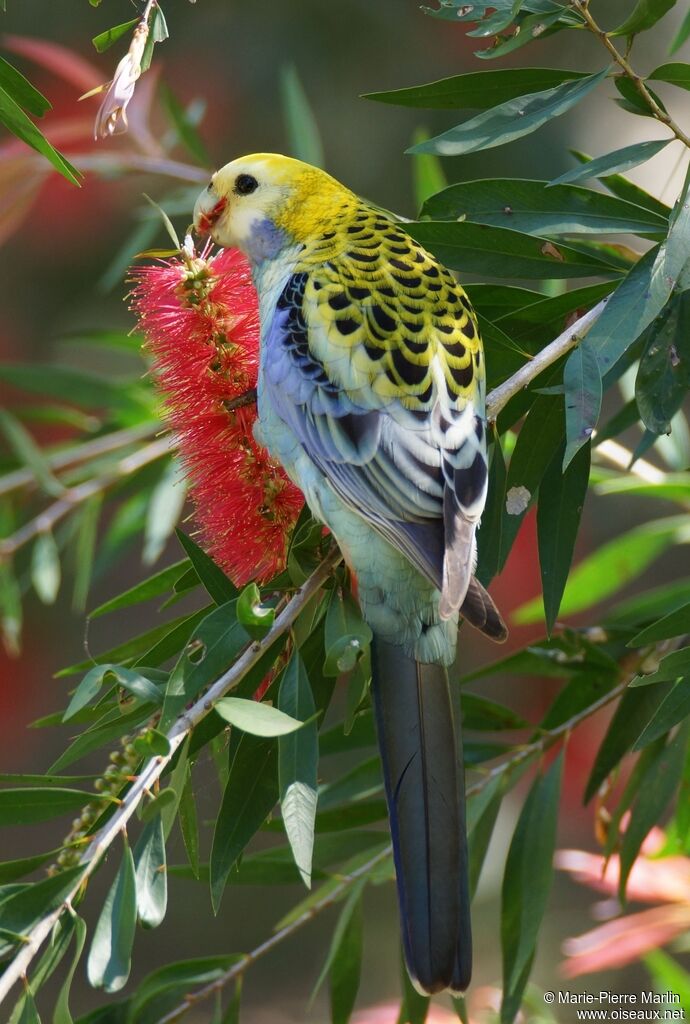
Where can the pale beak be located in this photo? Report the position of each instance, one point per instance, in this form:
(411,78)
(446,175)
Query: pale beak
(208,210)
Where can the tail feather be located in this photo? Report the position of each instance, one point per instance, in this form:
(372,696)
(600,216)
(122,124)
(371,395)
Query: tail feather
(480,611)
(425,794)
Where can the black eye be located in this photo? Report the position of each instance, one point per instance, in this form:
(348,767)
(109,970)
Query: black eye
(245,184)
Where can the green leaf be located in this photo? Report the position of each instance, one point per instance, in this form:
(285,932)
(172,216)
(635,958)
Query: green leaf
(619,160)
(346,966)
(663,376)
(29,454)
(490,538)
(682,34)
(62,1014)
(668,976)
(529,206)
(256,618)
(160,583)
(512,119)
(359,783)
(212,648)
(151,874)
(613,564)
(583,394)
(217,584)
(110,955)
(428,174)
(298,755)
(25,806)
(532,27)
(529,868)
(85,549)
(631,99)
(652,800)
(104,40)
(158,33)
(183,126)
(89,390)
(17,122)
(675,623)
(249,797)
(675,74)
(164,510)
(480,713)
(346,634)
(538,441)
(304,139)
(644,15)
(109,675)
(163,989)
(188,822)
(11,870)
(20,911)
(500,252)
(29,1014)
(561,498)
(479,89)
(22,91)
(343,934)
(634,710)
(45,567)
(160,806)
(673,709)
(255,717)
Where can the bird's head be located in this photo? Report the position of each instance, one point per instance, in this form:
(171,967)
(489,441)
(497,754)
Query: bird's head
(264,202)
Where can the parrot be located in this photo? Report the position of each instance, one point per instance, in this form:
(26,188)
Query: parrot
(371,395)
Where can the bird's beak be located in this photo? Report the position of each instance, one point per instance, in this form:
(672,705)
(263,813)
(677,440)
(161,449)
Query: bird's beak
(208,210)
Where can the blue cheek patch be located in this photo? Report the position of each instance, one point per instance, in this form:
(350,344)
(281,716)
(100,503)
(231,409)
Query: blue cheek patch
(265,240)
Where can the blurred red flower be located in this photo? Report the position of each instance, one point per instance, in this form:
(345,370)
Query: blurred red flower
(200,318)
(625,939)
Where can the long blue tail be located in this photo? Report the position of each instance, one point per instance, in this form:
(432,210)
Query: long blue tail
(422,766)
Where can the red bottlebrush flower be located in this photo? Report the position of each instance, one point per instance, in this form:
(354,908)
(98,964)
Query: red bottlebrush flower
(200,318)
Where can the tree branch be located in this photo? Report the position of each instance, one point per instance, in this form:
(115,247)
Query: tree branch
(154,768)
(582,7)
(501,395)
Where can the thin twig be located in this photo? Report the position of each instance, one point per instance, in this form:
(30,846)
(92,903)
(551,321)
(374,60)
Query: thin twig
(154,768)
(192,999)
(581,6)
(79,453)
(538,746)
(76,496)
(501,395)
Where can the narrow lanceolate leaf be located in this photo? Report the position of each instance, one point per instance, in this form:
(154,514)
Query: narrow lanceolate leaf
(160,583)
(302,128)
(111,675)
(613,163)
(250,795)
(644,15)
(663,376)
(675,74)
(219,587)
(346,967)
(676,623)
(428,174)
(652,800)
(635,709)
(561,499)
(25,94)
(45,568)
(298,755)
(164,511)
(606,570)
(529,869)
(29,453)
(104,40)
(188,822)
(150,873)
(351,908)
(21,910)
(489,539)
(583,393)
(500,252)
(256,618)
(25,806)
(529,206)
(16,121)
(111,948)
(673,709)
(62,1014)
(511,120)
(478,89)
(255,717)
(682,34)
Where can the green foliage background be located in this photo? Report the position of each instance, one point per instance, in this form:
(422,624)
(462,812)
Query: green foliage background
(535,254)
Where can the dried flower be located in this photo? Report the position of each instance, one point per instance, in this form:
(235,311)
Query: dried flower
(111,118)
(200,318)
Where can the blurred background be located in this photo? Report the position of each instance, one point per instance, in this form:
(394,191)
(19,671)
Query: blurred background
(63,269)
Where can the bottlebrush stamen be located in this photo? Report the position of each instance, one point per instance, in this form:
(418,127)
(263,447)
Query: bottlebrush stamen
(201,322)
